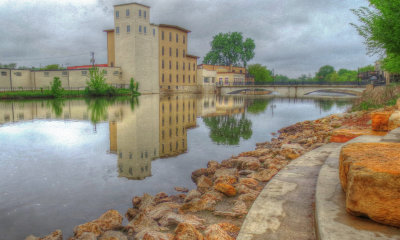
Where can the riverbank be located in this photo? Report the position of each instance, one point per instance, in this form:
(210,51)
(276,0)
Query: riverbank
(225,191)
(47,94)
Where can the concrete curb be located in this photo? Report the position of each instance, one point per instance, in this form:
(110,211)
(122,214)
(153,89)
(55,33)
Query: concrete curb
(332,220)
(285,207)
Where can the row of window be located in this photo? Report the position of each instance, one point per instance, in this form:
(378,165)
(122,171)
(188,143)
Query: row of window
(177,121)
(177,78)
(128,13)
(177,65)
(170,52)
(170,37)
(170,132)
(207,79)
(177,106)
(170,146)
(141,29)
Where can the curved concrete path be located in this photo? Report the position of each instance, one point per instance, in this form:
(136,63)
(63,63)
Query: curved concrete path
(285,207)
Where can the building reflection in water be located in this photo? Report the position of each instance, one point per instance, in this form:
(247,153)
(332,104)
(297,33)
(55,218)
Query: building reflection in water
(138,132)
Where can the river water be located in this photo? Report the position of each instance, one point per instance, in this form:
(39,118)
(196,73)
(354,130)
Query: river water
(65,162)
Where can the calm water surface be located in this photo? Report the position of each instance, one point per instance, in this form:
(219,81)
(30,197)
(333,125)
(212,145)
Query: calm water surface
(63,163)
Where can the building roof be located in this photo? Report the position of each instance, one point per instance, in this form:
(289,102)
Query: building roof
(174,26)
(131,4)
(86,66)
(108,30)
(191,56)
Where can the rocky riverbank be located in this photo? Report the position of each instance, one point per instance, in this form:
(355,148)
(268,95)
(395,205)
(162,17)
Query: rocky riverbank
(224,194)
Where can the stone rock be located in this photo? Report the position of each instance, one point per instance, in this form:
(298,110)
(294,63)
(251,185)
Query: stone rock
(249,163)
(160,210)
(249,182)
(181,189)
(171,218)
(203,183)
(146,201)
(185,231)
(225,179)
(161,197)
(86,236)
(108,221)
(248,197)
(370,176)
(56,235)
(231,229)
(240,207)
(153,235)
(200,172)
(136,201)
(243,189)
(394,120)
(344,135)
(131,213)
(192,195)
(113,235)
(142,222)
(206,202)
(264,175)
(294,146)
(380,121)
(245,172)
(213,164)
(215,232)
(233,172)
(226,189)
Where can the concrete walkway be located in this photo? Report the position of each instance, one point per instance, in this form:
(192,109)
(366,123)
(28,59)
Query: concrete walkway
(285,209)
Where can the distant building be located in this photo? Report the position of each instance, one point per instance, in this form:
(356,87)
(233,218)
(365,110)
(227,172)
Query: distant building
(221,75)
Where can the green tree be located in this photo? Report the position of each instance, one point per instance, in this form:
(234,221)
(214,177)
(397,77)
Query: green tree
(56,88)
(345,75)
(281,78)
(230,49)
(258,106)
(228,129)
(52,67)
(260,73)
(324,71)
(97,86)
(380,28)
(132,85)
(367,68)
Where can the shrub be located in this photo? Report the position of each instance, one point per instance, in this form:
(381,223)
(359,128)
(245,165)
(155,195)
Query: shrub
(56,88)
(97,86)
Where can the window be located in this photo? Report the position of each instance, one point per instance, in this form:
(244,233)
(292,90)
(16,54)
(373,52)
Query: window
(162,51)
(183,39)
(140,13)
(177,52)
(128,28)
(170,36)
(162,35)
(177,37)
(170,52)
(189,66)
(144,14)
(145,29)
(46,74)
(18,74)
(3,73)
(140,28)
(116,73)
(127,12)
(194,78)
(117,14)
(170,78)
(194,68)
(162,77)
(206,79)
(184,55)
(154,31)
(64,73)
(117,29)
(84,73)
(162,64)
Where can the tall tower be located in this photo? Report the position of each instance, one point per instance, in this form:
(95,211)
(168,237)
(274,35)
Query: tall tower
(136,46)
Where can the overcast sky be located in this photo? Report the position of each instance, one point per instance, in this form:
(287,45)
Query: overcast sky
(293,37)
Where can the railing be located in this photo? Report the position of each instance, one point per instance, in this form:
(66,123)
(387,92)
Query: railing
(299,83)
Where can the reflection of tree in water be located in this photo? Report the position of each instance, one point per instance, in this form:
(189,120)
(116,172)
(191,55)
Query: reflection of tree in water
(258,106)
(97,107)
(325,104)
(56,106)
(133,101)
(227,130)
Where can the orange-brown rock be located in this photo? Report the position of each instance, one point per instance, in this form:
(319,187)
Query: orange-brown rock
(249,182)
(344,135)
(152,235)
(231,229)
(108,221)
(113,235)
(225,179)
(264,175)
(370,176)
(185,231)
(215,232)
(226,189)
(380,121)
(56,235)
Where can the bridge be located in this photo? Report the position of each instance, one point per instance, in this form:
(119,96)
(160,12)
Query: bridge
(292,90)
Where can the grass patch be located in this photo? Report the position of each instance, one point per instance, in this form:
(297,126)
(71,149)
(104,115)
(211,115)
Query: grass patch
(378,97)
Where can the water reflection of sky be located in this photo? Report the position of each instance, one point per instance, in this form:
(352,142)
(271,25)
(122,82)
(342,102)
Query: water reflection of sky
(62,165)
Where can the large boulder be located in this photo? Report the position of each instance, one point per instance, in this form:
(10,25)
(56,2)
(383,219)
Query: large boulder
(394,120)
(344,135)
(185,231)
(380,121)
(370,176)
(56,235)
(108,221)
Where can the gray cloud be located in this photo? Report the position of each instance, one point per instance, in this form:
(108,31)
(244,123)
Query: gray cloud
(292,36)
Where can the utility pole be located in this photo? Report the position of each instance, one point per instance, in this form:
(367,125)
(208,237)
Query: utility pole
(92,60)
